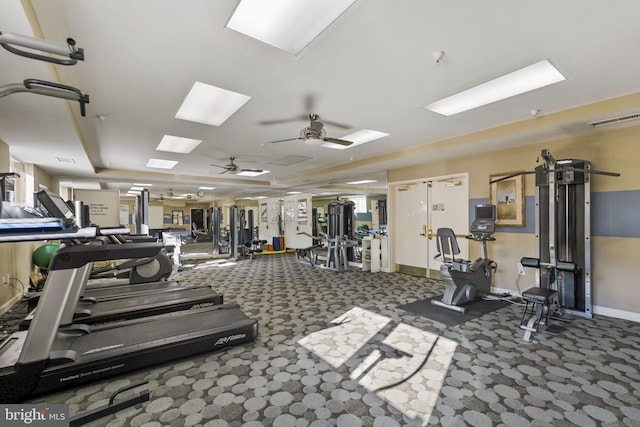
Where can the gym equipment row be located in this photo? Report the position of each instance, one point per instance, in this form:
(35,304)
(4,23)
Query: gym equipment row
(56,353)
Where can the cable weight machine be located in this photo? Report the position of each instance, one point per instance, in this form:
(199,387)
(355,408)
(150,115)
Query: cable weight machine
(563,241)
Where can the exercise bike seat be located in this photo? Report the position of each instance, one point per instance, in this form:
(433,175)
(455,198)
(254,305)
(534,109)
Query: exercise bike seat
(448,248)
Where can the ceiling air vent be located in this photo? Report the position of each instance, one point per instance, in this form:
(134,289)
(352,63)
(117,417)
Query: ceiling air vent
(615,120)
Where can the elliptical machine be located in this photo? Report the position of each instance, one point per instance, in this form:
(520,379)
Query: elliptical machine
(466,281)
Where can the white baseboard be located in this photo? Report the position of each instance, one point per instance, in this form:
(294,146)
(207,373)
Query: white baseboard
(618,314)
(601,311)
(7,306)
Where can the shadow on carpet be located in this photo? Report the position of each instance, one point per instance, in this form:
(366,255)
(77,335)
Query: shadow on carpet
(448,317)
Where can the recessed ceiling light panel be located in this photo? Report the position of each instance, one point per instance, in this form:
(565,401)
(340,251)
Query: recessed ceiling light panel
(364,181)
(177,144)
(360,137)
(252,173)
(161,164)
(210,105)
(289,25)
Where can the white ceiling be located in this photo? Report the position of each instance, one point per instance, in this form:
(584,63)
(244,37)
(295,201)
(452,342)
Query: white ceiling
(373,68)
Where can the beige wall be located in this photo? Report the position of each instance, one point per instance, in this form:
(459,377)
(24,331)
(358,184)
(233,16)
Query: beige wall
(613,258)
(15,258)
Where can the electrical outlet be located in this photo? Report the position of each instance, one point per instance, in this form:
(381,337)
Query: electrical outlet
(6,279)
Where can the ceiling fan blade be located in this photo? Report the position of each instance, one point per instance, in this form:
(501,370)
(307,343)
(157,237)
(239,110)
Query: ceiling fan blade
(218,166)
(338,141)
(224,171)
(252,170)
(336,124)
(283,140)
(301,117)
(277,122)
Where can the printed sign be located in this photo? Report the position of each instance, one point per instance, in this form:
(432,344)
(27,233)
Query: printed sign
(34,415)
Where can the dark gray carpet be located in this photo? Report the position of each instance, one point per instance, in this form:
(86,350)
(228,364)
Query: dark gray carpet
(335,350)
(448,317)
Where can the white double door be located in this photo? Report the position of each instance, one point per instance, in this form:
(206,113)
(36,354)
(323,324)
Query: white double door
(420,208)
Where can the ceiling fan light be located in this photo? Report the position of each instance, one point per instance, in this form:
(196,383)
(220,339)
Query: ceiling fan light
(314,141)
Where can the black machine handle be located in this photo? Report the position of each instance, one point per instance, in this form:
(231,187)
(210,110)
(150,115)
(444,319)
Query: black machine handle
(83,98)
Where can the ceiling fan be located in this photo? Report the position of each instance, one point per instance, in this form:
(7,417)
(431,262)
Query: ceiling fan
(232,168)
(314,134)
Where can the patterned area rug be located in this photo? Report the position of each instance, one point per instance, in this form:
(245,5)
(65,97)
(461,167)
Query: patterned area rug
(334,349)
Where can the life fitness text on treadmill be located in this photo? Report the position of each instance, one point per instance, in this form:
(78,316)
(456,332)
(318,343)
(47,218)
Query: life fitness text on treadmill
(225,340)
(54,415)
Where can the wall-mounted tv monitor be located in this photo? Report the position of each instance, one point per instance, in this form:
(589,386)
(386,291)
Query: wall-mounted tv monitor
(486,212)
(55,206)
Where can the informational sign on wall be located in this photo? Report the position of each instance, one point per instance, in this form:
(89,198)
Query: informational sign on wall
(104,206)
(124,215)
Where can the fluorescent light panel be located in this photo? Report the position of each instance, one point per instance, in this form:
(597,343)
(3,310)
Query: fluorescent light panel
(364,181)
(142,184)
(252,173)
(289,25)
(177,144)
(524,80)
(87,185)
(210,105)
(206,188)
(161,164)
(360,137)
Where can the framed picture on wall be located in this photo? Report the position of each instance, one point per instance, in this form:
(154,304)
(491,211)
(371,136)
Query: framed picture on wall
(506,191)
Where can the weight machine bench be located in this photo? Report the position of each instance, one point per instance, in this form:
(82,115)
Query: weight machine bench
(308,255)
(541,302)
(254,246)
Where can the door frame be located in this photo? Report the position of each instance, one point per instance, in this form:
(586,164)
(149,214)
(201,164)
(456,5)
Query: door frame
(391,214)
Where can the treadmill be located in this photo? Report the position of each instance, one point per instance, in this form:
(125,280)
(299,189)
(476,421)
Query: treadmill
(126,305)
(54,353)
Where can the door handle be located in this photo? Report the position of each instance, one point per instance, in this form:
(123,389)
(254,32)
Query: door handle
(427,233)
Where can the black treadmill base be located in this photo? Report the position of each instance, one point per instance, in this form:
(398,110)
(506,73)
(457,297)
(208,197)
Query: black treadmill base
(75,374)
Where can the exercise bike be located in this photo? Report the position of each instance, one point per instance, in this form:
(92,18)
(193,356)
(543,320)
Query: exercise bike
(466,281)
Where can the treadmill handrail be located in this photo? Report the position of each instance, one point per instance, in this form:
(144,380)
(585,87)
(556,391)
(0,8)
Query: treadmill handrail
(76,256)
(81,233)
